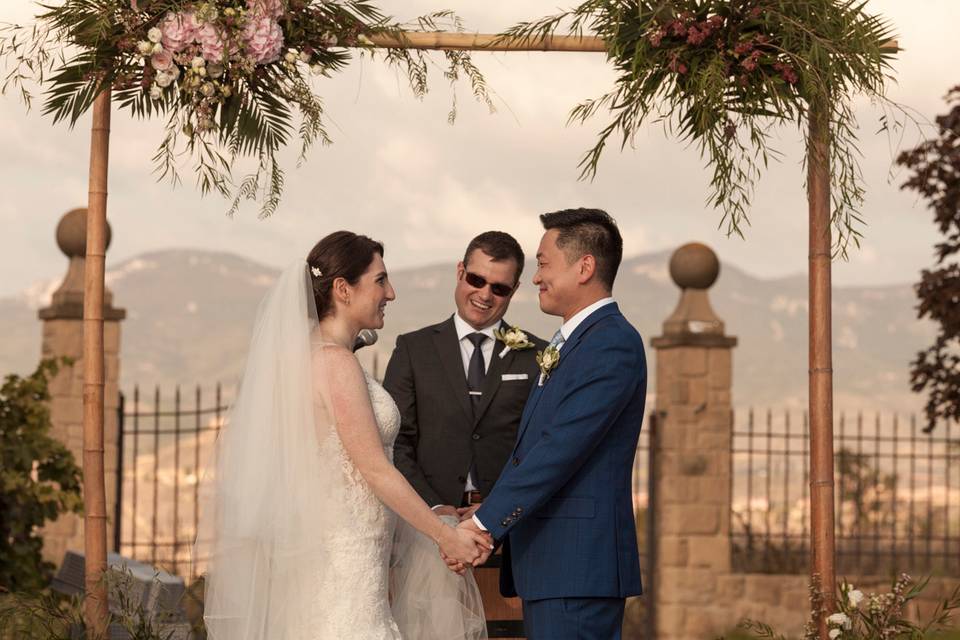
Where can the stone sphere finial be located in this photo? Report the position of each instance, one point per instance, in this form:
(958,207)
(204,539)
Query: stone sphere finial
(72,233)
(694,266)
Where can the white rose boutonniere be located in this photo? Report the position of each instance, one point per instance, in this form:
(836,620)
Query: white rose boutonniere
(513,339)
(548,359)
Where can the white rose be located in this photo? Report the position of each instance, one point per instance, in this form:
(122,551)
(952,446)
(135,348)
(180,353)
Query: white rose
(840,619)
(208,89)
(164,79)
(154,35)
(214,70)
(145,48)
(157,48)
(855,596)
(155,92)
(198,62)
(834,634)
(290,57)
(304,57)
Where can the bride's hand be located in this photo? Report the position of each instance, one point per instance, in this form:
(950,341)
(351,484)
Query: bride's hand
(463,545)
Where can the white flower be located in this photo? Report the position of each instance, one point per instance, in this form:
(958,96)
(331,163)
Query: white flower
(145,47)
(198,62)
(168,77)
(548,359)
(208,89)
(513,339)
(304,57)
(316,271)
(834,634)
(855,596)
(155,92)
(290,57)
(364,40)
(840,619)
(157,48)
(214,70)
(154,35)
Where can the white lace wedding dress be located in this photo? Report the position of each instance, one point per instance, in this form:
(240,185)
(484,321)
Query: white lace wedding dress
(352,596)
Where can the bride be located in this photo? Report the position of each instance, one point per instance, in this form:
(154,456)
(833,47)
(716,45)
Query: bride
(300,511)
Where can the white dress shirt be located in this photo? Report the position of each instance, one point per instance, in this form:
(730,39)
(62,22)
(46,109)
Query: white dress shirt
(466,353)
(567,329)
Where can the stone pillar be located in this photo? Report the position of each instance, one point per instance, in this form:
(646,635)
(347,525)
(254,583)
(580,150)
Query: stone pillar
(63,336)
(692,459)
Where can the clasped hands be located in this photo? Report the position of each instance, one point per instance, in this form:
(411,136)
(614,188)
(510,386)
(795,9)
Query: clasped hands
(473,545)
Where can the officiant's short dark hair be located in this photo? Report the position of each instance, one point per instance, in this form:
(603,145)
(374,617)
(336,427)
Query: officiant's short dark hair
(342,254)
(499,246)
(588,231)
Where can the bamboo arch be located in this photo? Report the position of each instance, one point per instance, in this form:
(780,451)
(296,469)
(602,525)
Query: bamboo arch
(819,321)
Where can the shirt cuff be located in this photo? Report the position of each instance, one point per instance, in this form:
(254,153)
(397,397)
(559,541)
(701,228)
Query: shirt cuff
(477,522)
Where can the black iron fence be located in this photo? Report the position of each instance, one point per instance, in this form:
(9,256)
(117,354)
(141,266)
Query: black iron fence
(165,441)
(897,493)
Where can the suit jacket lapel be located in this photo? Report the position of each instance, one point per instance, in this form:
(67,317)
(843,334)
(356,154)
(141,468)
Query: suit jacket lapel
(448,349)
(565,351)
(492,381)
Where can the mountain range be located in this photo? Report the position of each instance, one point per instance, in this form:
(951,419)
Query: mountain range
(189,314)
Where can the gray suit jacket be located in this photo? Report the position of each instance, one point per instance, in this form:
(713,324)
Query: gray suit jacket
(439,434)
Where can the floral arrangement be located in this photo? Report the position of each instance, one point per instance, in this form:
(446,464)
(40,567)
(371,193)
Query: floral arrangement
(874,616)
(229,75)
(722,73)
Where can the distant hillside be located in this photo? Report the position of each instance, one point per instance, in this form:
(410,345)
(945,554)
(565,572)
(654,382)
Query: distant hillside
(190,313)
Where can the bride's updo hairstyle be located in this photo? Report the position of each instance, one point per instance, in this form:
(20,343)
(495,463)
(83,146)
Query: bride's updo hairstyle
(342,254)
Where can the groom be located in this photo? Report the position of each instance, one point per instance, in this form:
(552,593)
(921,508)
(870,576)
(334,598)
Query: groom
(563,506)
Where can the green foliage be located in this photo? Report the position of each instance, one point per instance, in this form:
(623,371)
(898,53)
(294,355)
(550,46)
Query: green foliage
(721,74)
(49,616)
(871,616)
(934,167)
(39,479)
(221,110)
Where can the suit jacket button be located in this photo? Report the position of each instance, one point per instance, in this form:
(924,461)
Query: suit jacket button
(476,436)
(504,522)
(516,462)
(519,509)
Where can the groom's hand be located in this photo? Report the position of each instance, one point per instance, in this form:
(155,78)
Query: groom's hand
(485,552)
(466,513)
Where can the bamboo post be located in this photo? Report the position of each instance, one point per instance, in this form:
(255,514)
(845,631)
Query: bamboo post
(94,494)
(443,40)
(821,360)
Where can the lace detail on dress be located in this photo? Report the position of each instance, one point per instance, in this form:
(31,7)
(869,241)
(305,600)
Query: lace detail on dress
(352,601)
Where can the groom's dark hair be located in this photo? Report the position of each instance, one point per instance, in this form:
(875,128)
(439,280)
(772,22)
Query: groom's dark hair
(588,231)
(499,246)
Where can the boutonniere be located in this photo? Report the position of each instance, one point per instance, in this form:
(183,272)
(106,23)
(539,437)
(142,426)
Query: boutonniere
(513,339)
(548,359)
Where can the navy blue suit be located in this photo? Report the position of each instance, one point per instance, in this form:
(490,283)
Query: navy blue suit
(563,505)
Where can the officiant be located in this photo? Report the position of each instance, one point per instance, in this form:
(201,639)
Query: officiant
(459,387)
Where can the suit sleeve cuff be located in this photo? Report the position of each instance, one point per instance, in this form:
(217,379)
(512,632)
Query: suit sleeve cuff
(477,522)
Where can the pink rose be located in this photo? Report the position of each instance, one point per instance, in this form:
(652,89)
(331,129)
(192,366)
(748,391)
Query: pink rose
(162,61)
(179,31)
(264,39)
(269,8)
(211,44)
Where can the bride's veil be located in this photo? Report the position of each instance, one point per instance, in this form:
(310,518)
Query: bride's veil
(276,489)
(269,496)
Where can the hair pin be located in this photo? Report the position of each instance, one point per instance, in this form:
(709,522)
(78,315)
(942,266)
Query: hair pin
(316,271)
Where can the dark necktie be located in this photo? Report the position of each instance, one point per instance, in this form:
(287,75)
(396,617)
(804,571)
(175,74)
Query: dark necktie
(476,370)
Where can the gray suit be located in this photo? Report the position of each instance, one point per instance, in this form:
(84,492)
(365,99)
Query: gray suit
(439,435)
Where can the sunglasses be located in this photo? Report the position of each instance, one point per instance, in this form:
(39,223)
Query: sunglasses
(479,282)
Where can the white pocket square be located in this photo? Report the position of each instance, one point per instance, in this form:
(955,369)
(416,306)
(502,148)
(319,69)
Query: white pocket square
(514,376)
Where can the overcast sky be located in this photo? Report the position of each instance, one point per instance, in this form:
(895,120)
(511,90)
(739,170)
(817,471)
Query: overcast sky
(399,172)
